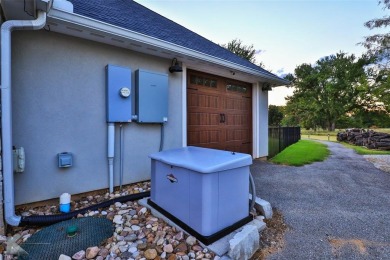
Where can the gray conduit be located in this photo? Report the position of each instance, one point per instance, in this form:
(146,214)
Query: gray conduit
(161,138)
(253,192)
(121,148)
(6,108)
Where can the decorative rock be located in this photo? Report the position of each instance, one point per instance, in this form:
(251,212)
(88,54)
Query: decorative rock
(191,240)
(130,238)
(142,211)
(197,248)
(160,241)
(200,255)
(133,249)
(103,252)
(135,227)
(91,252)
(179,236)
(79,255)
(191,255)
(123,211)
(118,219)
(64,257)
(163,254)
(142,246)
(168,248)
(172,257)
(123,248)
(150,253)
(126,255)
(182,247)
(99,258)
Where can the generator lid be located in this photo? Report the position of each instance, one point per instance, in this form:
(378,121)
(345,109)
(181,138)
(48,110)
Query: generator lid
(203,160)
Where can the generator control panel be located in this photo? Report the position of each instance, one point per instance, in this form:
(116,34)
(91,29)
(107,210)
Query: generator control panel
(151,97)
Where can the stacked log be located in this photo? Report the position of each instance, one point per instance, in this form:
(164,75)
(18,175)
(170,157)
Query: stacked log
(369,139)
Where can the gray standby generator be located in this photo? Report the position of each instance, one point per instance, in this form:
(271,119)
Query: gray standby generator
(205,190)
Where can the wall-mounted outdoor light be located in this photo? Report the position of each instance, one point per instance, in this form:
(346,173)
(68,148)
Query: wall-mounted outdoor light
(175,67)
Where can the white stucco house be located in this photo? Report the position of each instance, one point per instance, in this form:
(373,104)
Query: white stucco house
(54,95)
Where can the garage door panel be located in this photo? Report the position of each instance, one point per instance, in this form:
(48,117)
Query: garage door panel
(240,103)
(242,135)
(203,119)
(204,100)
(205,137)
(237,120)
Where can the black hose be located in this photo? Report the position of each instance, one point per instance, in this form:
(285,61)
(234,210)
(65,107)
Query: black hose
(52,219)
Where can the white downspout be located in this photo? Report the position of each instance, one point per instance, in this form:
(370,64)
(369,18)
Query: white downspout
(110,154)
(6,109)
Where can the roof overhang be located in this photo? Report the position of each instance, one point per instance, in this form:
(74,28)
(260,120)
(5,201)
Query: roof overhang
(84,27)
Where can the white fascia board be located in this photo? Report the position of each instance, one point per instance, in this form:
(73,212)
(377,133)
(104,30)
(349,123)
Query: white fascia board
(86,22)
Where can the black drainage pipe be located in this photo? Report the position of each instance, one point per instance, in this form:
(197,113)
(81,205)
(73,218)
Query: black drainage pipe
(52,219)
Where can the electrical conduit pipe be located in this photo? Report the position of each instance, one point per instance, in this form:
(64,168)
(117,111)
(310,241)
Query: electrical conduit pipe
(6,108)
(110,154)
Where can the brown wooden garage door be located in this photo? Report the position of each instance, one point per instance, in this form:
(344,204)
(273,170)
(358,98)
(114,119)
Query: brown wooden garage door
(219,113)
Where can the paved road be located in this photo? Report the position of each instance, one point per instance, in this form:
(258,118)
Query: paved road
(336,209)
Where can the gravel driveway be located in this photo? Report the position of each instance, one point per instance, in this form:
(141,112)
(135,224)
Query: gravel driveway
(336,209)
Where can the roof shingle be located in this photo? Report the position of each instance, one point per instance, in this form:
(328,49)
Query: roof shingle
(130,15)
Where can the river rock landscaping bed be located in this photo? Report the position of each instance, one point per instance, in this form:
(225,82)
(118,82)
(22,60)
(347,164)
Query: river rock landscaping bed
(138,234)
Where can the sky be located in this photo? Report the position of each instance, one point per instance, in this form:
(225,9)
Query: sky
(287,32)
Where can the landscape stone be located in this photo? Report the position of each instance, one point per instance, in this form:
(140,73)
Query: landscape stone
(245,243)
(79,255)
(191,240)
(91,252)
(64,257)
(150,254)
(168,248)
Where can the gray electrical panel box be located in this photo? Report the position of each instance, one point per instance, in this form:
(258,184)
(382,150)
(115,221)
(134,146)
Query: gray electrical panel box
(118,96)
(151,97)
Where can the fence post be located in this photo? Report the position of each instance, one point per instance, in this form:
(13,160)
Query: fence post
(280,130)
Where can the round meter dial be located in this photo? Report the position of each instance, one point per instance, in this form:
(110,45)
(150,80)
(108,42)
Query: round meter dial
(125,92)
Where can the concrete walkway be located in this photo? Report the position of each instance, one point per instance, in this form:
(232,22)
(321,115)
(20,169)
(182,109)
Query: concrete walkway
(336,209)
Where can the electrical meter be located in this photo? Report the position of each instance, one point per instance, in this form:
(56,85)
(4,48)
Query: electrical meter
(124,92)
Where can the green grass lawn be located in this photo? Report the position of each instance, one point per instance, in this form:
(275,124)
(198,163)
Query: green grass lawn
(301,153)
(363,150)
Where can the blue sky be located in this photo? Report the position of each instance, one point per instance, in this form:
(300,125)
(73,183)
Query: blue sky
(288,32)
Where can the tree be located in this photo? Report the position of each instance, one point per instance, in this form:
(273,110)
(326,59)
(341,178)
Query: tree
(275,115)
(333,86)
(247,52)
(378,47)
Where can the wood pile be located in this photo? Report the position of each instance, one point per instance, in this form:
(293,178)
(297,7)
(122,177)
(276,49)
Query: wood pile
(369,139)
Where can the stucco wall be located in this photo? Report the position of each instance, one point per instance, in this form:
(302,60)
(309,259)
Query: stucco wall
(59,106)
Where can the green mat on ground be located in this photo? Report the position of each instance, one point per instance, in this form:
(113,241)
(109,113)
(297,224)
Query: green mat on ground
(51,242)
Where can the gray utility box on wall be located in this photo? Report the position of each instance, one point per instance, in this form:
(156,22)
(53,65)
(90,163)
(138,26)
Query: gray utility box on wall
(151,98)
(204,188)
